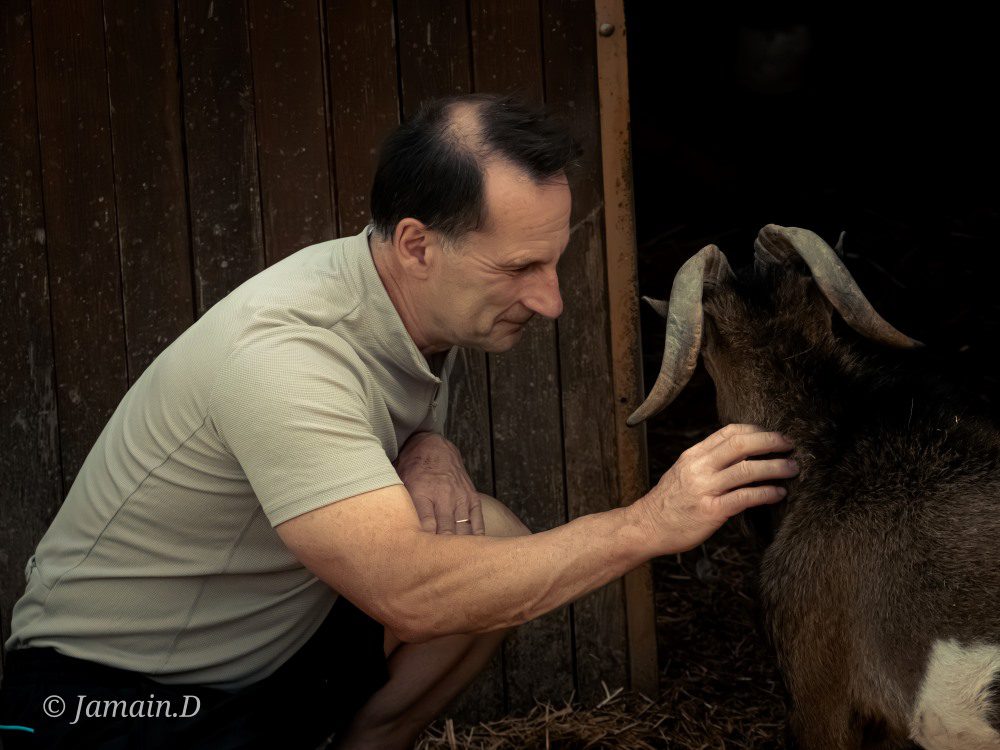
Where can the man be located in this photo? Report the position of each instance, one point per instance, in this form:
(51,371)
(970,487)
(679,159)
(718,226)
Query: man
(271,521)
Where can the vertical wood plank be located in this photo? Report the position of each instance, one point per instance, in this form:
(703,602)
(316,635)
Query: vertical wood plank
(81,235)
(434,61)
(29,464)
(433,51)
(524,383)
(223,187)
(364,100)
(151,199)
(623,317)
(296,188)
(584,351)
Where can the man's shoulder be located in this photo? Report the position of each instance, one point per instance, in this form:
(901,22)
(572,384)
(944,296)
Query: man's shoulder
(293,351)
(312,286)
(291,376)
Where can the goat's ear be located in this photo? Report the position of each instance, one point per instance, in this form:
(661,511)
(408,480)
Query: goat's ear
(839,247)
(661,306)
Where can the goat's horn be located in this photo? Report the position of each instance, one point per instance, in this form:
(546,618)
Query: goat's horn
(782,244)
(684,320)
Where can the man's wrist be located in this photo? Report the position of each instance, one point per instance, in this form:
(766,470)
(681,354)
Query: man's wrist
(640,529)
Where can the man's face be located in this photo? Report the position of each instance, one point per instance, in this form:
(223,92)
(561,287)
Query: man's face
(485,290)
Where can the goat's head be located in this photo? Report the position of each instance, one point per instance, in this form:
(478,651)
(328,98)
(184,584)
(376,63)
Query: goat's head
(783,305)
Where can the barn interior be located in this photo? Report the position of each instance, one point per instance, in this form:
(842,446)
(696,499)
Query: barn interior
(883,129)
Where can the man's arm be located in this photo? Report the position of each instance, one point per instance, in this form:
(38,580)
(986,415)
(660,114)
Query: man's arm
(422,585)
(371,547)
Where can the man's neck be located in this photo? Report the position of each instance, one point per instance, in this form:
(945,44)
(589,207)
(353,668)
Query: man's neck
(391,277)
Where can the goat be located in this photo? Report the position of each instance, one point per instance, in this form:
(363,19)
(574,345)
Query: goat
(880,589)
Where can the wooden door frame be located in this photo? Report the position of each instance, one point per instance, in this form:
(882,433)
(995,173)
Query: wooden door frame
(623,309)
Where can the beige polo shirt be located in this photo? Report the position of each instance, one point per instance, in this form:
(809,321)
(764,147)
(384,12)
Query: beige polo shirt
(293,392)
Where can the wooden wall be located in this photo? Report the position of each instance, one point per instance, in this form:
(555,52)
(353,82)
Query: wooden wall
(156,155)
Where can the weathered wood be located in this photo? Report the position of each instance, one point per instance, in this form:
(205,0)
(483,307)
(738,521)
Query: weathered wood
(226,241)
(364,99)
(588,417)
(296,185)
(468,412)
(434,61)
(433,51)
(524,384)
(506,42)
(257,120)
(150,194)
(30,478)
(623,317)
(80,230)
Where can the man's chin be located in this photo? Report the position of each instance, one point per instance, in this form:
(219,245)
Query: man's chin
(505,342)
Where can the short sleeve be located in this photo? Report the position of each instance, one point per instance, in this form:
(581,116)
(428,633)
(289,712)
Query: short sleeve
(294,412)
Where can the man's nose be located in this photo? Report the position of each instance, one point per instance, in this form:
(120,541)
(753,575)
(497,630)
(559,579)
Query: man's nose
(544,297)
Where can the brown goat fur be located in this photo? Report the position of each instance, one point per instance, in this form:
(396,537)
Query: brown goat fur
(888,539)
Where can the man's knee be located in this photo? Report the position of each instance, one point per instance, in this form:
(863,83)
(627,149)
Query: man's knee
(499,519)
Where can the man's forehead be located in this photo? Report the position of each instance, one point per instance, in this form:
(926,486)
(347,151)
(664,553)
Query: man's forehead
(520,208)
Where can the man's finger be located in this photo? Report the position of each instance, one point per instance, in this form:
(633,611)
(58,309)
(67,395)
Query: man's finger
(743,445)
(747,497)
(446,523)
(721,435)
(425,512)
(463,522)
(476,520)
(746,472)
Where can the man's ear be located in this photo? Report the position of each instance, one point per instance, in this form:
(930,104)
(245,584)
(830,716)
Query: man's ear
(411,242)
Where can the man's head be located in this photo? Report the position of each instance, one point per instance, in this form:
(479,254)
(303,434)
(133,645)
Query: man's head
(471,208)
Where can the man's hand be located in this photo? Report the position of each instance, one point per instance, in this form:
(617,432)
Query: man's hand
(705,487)
(445,498)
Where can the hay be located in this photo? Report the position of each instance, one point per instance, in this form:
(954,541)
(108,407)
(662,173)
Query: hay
(717,668)
(618,721)
(719,685)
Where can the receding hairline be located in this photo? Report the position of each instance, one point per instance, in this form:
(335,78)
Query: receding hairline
(463,127)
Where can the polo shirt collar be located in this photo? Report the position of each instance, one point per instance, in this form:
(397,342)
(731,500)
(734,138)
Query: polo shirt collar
(389,333)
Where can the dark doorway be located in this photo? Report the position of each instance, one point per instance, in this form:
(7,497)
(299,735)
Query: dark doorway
(884,129)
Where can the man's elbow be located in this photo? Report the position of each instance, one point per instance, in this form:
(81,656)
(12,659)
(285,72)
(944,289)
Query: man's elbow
(406,634)
(407,627)
(412,620)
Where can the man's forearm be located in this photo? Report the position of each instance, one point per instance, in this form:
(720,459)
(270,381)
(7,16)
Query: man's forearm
(472,584)
(371,548)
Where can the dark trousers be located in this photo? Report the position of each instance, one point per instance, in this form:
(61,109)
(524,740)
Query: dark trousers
(310,697)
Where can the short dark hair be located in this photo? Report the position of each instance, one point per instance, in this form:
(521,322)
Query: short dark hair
(432,167)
